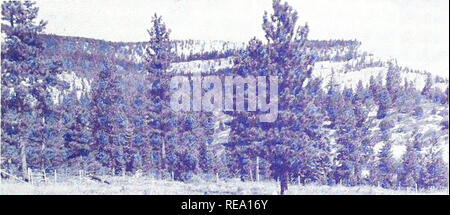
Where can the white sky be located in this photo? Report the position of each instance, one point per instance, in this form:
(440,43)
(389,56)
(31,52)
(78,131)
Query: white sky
(415,32)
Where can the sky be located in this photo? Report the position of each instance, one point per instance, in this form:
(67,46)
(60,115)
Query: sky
(415,32)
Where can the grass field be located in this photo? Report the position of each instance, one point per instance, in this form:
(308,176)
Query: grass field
(147,186)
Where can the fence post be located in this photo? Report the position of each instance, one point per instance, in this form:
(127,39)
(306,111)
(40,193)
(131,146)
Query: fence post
(45,176)
(30,176)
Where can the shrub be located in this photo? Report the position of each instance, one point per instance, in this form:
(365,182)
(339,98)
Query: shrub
(418,112)
(382,112)
(444,124)
(386,124)
(434,111)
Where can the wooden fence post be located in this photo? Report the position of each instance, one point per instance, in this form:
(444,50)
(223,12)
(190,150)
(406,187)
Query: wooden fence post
(30,176)
(44,174)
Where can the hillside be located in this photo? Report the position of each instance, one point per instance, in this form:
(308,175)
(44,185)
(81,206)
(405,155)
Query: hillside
(342,59)
(339,59)
(83,57)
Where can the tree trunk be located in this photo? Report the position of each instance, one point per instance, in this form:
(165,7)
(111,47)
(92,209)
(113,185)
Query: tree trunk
(23,155)
(357,175)
(284,182)
(43,157)
(257,169)
(163,155)
(163,159)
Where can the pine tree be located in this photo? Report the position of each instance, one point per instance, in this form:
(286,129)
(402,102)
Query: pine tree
(240,145)
(375,87)
(364,157)
(426,91)
(393,82)
(411,167)
(360,95)
(26,78)
(186,149)
(407,97)
(209,161)
(435,170)
(45,147)
(159,55)
(314,163)
(68,121)
(105,98)
(246,134)
(386,167)
(290,60)
(120,123)
(333,101)
(83,132)
(384,103)
(137,149)
(348,148)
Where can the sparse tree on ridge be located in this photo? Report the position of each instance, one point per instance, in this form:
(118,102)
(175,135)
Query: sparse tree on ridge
(393,82)
(426,91)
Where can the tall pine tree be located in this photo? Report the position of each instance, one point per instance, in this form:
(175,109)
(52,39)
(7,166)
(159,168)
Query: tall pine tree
(289,60)
(26,79)
(159,115)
